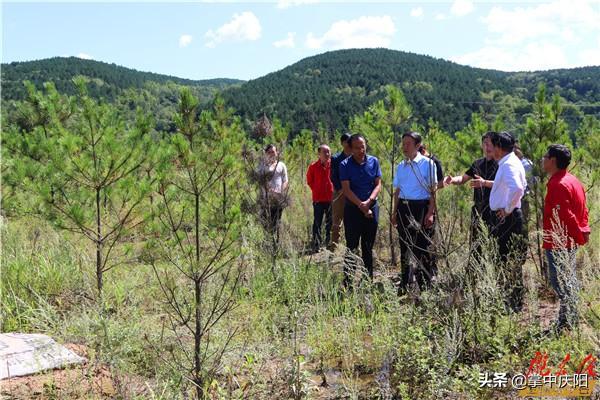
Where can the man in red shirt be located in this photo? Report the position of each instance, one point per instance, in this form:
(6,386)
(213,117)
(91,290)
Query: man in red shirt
(318,178)
(565,228)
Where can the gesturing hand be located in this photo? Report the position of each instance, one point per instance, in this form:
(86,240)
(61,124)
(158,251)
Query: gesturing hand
(477,182)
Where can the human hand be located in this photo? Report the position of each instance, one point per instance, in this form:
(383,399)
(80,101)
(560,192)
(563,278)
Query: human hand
(477,182)
(501,214)
(364,206)
(428,222)
(586,237)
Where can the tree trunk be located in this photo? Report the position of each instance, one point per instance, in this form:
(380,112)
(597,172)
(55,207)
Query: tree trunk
(224,198)
(197,305)
(99,242)
(197,221)
(391,230)
(197,341)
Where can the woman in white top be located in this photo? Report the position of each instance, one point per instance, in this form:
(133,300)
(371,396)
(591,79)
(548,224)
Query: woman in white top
(273,189)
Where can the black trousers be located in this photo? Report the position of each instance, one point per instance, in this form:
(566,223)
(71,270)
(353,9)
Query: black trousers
(321,209)
(478,233)
(359,230)
(415,241)
(271,217)
(511,239)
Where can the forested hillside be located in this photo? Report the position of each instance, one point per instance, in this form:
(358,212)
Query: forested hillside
(331,87)
(105,80)
(151,92)
(328,89)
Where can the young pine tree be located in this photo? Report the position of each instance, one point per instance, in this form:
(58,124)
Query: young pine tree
(88,169)
(198,222)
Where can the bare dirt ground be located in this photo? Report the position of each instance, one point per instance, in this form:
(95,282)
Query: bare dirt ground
(85,381)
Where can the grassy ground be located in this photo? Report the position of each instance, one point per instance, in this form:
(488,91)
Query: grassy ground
(297,334)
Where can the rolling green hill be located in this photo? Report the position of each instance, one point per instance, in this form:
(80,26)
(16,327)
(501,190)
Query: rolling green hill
(331,87)
(129,88)
(326,89)
(106,80)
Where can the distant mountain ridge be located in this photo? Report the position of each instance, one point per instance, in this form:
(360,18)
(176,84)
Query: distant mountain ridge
(329,88)
(106,80)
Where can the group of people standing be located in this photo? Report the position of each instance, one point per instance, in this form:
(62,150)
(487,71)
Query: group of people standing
(346,186)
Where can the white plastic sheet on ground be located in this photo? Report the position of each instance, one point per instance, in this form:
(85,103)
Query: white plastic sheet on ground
(24,354)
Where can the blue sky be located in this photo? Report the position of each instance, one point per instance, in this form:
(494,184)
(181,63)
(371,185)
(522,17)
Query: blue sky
(244,40)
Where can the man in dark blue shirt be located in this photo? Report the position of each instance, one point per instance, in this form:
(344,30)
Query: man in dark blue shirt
(360,176)
(337,205)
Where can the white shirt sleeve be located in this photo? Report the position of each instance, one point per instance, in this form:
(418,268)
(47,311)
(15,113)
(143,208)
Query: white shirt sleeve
(514,186)
(284,174)
(495,192)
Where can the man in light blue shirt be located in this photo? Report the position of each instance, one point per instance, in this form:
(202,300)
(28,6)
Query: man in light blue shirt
(415,183)
(415,178)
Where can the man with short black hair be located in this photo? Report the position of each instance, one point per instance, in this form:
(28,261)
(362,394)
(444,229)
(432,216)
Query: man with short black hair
(565,228)
(481,174)
(360,175)
(337,204)
(508,229)
(318,178)
(413,212)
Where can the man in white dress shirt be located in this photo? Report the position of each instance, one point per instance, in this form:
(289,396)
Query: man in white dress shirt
(508,228)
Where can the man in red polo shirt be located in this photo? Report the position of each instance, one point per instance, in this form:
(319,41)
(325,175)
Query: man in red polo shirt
(318,178)
(565,228)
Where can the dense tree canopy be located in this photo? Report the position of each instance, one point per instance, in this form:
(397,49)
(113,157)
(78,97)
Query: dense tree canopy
(332,87)
(325,91)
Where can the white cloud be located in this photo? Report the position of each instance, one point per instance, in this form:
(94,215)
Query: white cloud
(84,56)
(538,36)
(185,40)
(416,12)
(283,4)
(356,33)
(288,42)
(461,7)
(591,56)
(242,27)
(519,24)
(533,56)
(440,17)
